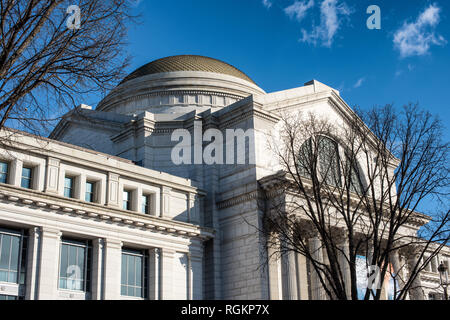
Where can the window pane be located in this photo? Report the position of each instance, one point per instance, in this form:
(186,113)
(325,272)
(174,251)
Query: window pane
(9,257)
(72,265)
(131,271)
(26,173)
(138,271)
(68,185)
(89,197)
(64,260)
(15,248)
(126,200)
(3,172)
(124,269)
(4,256)
(26,178)
(81,255)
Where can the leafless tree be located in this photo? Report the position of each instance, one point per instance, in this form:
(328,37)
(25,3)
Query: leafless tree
(357,185)
(51,62)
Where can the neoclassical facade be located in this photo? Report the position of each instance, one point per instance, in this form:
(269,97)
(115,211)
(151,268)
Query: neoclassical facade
(99,210)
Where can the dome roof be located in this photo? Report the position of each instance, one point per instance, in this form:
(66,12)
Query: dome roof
(187,63)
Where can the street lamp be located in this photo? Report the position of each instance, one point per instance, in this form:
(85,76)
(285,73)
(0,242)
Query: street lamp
(444,278)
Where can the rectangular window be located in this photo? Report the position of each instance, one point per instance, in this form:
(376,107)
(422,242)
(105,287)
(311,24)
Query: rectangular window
(27,176)
(68,187)
(126,200)
(90,187)
(134,273)
(13,246)
(146,204)
(3,172)
(75,265)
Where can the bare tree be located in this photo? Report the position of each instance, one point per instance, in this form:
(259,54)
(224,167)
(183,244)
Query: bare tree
(356,185)
(50,61)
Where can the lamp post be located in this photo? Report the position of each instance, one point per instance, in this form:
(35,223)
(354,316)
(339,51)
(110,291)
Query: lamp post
(444,278)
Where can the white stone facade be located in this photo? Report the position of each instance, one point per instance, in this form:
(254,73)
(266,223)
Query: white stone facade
(200,235)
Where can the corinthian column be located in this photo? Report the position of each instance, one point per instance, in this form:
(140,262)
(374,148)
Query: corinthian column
(416,291)
(344,257)
(315,246)
(290,272)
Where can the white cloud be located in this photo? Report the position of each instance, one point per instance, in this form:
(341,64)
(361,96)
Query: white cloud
(267,3)
(299,9)
(330,22)
(359,82)
(415,38)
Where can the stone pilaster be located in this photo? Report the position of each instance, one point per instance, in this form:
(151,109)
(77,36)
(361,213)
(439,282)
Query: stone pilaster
(97,268)
(112,269)
(112,196)
(193,209)
(165,201)
(33,263)
(15,175)
(167,259)
(154,274)
(196,276)
(48,268)
(52,178)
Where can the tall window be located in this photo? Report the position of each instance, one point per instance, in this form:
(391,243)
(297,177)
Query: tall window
(126,204)
(68,187)
(13,246)
(329,163)
(146,204)
(75,265)
(3,172)
(134,273)
(26,181)
(89,196)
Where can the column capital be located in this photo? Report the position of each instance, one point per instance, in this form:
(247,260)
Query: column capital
(50,232)
(112,243)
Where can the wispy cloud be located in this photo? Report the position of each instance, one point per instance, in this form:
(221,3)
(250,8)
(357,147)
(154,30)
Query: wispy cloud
(267,3)
(359,83)
(415,38)
(331,14)
(298,9)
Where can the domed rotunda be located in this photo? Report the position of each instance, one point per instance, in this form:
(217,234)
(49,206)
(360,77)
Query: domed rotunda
(179,84)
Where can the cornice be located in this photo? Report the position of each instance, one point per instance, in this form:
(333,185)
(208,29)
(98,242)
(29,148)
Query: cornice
(97,212)
(230,202)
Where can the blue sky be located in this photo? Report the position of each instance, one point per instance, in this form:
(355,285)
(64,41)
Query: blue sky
(282,44)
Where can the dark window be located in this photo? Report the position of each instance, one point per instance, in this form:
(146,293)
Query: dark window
(27,177)
(13,249)
(126,200)
(90,187)
(75,265)
(3,172)
(134,273)
(146,204)
(68,187)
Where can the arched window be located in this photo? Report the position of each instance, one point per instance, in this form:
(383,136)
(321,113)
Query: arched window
(325,152)
(327,159)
